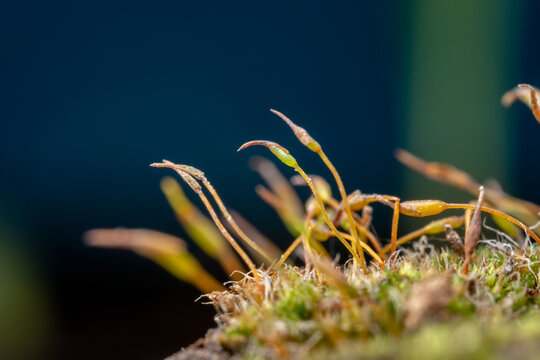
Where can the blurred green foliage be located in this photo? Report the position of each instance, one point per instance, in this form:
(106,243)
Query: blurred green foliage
(24,310)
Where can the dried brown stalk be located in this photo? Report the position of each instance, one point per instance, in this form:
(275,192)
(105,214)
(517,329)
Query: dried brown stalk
(473,232)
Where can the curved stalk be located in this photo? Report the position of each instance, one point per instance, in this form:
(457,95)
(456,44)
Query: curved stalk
(314,146)
(283,154)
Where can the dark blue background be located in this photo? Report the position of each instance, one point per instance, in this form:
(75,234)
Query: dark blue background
(92,92)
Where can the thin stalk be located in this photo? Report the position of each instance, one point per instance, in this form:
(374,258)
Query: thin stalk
(306,242)
(365,247)
(393,202)
(406,238)
(361,228)
(421,208)
(199,175)
(196,187)
(395,219)
(231,221)
(327,218)
(500,214)
(314,146)
(374,241)
(228,236)
(344,198)
(307,247)
(199,227)
(284,156)
(289,251)
(434,227)
(260,239)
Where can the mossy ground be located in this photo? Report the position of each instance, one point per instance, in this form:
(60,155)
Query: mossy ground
(420,306)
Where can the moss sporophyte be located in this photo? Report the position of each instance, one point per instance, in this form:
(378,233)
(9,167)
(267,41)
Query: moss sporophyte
(462,280)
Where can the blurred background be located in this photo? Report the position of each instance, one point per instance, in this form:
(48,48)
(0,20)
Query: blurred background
(92,92)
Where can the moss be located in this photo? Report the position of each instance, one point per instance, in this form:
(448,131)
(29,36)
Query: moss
(302,318)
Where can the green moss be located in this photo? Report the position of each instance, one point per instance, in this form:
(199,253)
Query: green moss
(296,302)
(303,318)
(461,306)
